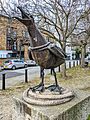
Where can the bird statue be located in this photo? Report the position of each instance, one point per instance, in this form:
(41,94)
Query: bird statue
(46,54)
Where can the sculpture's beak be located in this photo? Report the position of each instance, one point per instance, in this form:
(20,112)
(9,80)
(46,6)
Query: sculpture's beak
(24,15)
(26,19)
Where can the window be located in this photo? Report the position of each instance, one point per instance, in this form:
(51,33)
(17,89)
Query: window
(25,34)
(89,49)
(7,61)
(2,55)
(11,39)
(15,60)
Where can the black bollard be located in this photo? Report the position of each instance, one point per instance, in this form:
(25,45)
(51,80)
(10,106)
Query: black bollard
(65,66)
(73,63)
(69,64)
(26,81)
(51,72)
(3,81)
(40,73)
(59,68)
(77,62)
(80,62)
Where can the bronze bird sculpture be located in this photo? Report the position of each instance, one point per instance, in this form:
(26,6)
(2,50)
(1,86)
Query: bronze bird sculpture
(46,54)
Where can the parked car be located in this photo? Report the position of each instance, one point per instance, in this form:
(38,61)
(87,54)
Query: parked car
(87,61)
(14,63)
(31,63)
(1,68)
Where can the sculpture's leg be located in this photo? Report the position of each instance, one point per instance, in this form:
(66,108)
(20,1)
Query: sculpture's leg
(55,87)
(40,87)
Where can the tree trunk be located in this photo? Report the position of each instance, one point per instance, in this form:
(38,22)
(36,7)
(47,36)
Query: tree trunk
(26,56)
(63,70)
(20,48)
(83,50)
(63,66)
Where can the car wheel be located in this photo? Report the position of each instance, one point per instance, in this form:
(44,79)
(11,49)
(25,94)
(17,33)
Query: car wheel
(13,67)
(25,66)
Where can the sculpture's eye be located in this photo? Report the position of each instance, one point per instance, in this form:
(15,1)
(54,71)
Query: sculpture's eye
(35,39)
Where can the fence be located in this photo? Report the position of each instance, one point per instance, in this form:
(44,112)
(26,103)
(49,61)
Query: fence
(69,64)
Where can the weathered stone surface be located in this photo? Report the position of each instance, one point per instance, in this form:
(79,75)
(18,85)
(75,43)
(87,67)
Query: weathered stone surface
(76,109)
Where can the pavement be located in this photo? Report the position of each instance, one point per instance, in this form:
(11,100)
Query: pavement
(18,76)
(10,74)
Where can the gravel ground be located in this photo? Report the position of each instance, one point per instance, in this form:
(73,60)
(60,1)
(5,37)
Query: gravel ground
(7,103)
(80,80)
(6,106)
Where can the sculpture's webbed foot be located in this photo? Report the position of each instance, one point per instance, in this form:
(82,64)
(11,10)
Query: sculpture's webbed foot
(55,88)
(39,88)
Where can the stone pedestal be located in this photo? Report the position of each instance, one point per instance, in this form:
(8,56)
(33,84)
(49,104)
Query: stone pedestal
(77,109)
(47,98)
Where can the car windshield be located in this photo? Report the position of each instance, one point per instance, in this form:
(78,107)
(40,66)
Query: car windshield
(21,61)
(18,60)
(15,60)
(7,61)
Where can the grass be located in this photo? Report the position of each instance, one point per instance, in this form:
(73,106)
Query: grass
(88,117)
(77,77)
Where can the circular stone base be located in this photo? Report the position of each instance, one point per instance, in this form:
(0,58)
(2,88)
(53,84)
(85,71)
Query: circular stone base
(47,98)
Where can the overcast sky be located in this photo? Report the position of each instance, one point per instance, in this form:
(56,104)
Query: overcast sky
(9,2)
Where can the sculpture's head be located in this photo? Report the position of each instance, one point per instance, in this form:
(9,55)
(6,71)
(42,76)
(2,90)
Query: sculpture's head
(26,19)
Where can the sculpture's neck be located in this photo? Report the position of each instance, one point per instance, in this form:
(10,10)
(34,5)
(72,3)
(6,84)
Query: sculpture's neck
(36,38)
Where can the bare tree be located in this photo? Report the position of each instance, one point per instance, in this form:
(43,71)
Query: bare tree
(83,36)
(58,19)
(62,19)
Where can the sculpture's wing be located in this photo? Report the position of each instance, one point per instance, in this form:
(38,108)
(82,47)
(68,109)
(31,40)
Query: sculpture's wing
(57,51)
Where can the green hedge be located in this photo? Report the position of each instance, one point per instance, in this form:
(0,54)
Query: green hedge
(88,117)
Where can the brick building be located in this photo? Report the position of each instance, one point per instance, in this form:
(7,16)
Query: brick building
(14,39)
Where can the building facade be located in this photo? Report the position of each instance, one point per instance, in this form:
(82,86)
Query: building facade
(14,39)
